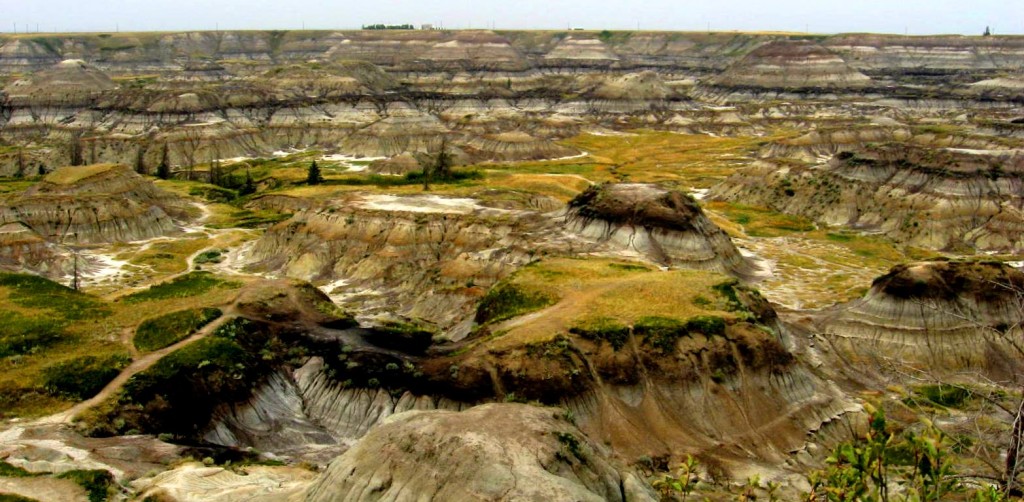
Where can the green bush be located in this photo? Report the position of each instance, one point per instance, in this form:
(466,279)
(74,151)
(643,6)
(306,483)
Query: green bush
(603,329)
(83,377)
(211,256)
(188,285)
(168,329)
(506,301)
(97,483)
(948,396)
(660,332)
(706,324)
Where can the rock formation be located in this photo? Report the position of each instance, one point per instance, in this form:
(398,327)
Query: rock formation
(936,198)
(666,225)
(94,204)
(495,451)
(792,65)
(945,316)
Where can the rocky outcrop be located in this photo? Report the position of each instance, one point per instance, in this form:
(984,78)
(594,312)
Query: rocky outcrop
(432,257)
(94,204)
(665,225)
(70,83)
(792,65)
(21,249)
(951,198)
(514,146)
(493,452)
(947,316)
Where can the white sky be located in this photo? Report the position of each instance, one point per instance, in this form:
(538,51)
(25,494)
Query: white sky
(819,16)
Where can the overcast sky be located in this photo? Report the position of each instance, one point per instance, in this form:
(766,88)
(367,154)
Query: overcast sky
(819,16)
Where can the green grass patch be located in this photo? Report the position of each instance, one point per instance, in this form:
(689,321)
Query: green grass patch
(211,256)
(603,329)
(10,471)
(10,497)
(506,301)
(83,377)
(186,286)
(168,329)
(26,335)
(947,396)
(97,483)
(35,292)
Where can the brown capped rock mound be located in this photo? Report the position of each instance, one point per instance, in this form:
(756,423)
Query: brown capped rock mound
(490,452)
(945,315)
(70,82)
(792,64)
(665,225)
(94,204)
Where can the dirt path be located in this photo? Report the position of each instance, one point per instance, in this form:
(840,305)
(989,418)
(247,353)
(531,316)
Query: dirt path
(138,365)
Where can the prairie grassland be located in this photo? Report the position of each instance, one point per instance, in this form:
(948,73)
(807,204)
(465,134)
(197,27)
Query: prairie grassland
(72,326)
(585,289)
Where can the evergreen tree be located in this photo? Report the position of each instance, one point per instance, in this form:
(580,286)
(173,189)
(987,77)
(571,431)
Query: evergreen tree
(313,176)
(249,187)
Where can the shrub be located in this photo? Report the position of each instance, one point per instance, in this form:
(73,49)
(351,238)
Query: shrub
(603,329)
(506,301)
(97,483)
(660,332)
(159,332)
(83,377)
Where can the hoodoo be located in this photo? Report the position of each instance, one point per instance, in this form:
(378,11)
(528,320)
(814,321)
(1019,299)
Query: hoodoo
(946,316)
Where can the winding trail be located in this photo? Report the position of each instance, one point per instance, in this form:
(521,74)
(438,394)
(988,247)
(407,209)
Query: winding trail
(137,366)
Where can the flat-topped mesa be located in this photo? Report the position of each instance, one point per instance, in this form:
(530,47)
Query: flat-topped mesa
(937,198)
(946,315)
(72,82)
(94,204)
(792,64)
(666,226)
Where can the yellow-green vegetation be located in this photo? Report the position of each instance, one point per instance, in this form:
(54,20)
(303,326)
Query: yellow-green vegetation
(47,328)
(186,286)
(167,329)
(598,297)
(73,174)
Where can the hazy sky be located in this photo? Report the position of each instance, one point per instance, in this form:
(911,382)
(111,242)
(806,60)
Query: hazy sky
(821,16)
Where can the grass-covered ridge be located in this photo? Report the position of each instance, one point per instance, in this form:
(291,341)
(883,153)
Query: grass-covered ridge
(167,329)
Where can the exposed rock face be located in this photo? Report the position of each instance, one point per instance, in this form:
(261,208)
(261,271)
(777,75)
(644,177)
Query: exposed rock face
(934,198)
(492,452)
(71,82)
(792,65)
(666,225)
(22,249)
(943,53)
(420,252)
(945,316)
(93,204)
(194,482)
(513,146)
